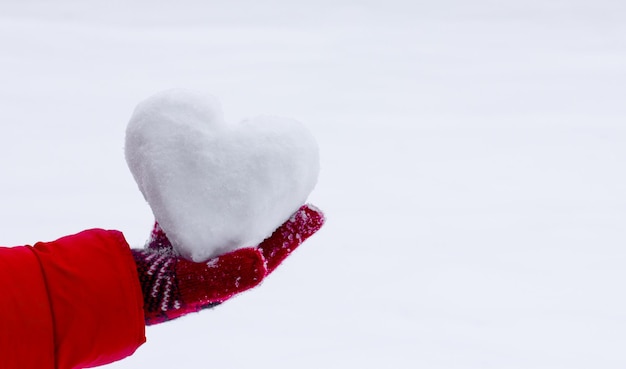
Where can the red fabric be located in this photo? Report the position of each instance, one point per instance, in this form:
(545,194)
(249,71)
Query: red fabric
(26,330)
(72,303)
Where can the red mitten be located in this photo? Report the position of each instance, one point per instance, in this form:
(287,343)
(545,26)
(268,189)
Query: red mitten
(173,286)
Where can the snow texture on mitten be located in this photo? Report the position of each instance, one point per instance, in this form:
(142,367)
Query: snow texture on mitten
(173,286)
(286,238)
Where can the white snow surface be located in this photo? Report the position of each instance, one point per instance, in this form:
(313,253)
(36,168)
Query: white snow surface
(212,186)
(472,169)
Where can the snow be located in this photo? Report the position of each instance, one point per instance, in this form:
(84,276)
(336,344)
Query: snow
(472,169)
(216,187)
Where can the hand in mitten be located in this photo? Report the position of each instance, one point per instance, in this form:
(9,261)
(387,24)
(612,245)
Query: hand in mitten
(173,286)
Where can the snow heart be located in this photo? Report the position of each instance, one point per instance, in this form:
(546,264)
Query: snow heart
(215,187)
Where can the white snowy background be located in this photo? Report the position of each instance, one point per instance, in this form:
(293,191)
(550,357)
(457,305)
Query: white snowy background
(473,157)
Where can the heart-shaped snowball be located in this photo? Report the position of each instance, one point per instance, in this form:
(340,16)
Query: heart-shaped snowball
(212,186)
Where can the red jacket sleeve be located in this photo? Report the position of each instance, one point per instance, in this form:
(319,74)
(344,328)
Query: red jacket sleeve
(72,303)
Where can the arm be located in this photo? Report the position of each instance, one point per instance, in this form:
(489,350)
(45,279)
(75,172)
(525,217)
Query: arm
(76,302)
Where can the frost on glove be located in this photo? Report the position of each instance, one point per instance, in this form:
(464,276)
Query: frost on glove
(173,286)
(286,238)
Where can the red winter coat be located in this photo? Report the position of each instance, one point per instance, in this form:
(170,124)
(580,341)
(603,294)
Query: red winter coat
(72,303)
